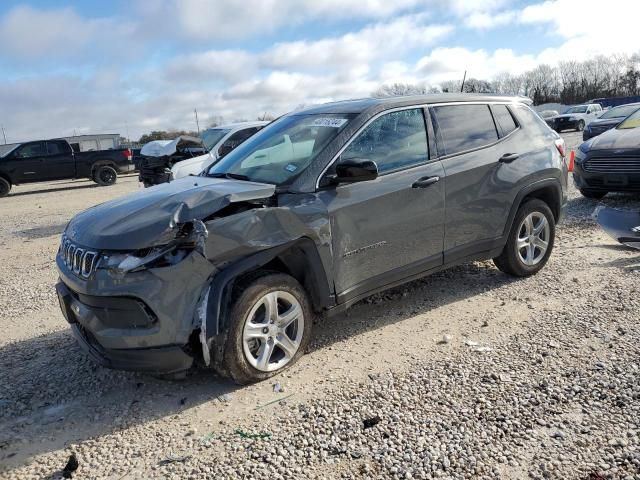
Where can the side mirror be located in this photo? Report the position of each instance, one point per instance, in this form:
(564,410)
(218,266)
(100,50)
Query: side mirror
(355,170)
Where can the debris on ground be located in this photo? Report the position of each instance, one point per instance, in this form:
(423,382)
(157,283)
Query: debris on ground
(225,397)
(277,400)
(277,388)
(71,466)
(445,339)
(371,422)
(253,436)
(174,459)
(471,343)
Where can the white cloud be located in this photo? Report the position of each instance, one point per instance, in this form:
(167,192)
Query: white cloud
(28,34)
(482,20)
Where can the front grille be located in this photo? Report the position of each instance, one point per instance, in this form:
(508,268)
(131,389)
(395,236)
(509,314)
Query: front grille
(79,260)
(613,165)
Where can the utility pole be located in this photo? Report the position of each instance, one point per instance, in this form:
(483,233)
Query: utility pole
(3,135)
(463,79)
(126,126)
(197,123)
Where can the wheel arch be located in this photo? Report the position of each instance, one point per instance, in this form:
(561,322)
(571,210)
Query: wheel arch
(549,191)
(299,258)
(105,162)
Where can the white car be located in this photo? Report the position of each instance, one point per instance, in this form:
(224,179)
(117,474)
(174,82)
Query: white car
(218,141)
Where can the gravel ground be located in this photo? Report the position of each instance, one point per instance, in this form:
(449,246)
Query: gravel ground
(464,374)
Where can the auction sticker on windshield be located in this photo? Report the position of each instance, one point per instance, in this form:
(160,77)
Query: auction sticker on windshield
(329,122)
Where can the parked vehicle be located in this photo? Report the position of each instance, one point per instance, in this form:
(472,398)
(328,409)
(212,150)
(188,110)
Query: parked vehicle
(610,162)
(159,156)
(577,117)
(218,141)
(608,120)
(549,116)
(44,160)
(229,269)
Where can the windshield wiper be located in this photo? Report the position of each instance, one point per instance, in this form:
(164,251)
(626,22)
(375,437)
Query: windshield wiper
(233,176)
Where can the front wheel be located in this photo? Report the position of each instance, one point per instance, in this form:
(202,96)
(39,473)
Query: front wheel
(105,175)
(595,194)
(271,327)
(580,126)
(530,240)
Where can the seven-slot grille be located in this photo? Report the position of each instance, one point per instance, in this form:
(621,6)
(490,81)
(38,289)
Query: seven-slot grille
(80,260)
(613,165)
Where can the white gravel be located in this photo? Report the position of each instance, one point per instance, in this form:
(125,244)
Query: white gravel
(470,373)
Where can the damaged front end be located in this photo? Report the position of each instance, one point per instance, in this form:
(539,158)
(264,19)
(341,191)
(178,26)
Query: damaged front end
(135,290)
(622,225)
(159,156)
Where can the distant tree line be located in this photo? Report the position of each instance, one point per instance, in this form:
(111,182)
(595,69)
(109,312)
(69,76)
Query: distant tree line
(568,83)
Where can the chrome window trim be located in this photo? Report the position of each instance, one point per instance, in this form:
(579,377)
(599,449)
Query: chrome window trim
(422,106)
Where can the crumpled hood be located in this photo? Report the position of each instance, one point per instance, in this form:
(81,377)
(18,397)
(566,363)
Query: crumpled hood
(149,217)
(617,139)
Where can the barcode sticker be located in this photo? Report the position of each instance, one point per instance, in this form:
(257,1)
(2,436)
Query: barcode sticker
(329,122)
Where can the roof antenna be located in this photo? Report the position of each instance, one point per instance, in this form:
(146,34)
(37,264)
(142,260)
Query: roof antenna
(463,79)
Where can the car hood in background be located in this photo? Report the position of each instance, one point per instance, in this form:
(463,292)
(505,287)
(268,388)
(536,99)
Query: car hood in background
(568,115)
(190,163)
(606,122)
(150,217)
(164,148)
(628,138)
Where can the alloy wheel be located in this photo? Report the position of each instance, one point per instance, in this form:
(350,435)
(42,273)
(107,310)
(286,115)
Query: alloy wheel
(273,331)
(533,238)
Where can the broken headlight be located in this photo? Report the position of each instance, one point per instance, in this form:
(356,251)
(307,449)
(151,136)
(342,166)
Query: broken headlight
(190,237)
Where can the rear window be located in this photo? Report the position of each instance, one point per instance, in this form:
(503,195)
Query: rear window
(504,119)
(464,127)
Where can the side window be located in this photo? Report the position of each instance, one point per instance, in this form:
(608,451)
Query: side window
(240,136)
(464,127)
(505,120)
(57,148)
(395,140)
(35,149)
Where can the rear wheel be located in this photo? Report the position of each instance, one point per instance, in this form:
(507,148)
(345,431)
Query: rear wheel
(592,193)
(5,187)
(530,240)
(105,175)
(271,326)
(580,125)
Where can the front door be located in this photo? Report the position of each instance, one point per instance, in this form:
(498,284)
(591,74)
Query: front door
(390,228)
(30,162)
(60,162)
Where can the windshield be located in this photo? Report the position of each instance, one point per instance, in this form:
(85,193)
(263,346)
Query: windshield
(212,136)
(578,109)
(632,121)
(622,112)
(283,149)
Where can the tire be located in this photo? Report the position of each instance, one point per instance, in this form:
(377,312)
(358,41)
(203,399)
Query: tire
(5,187)
(580,126)
(105,175)
(595,194)
(242,359)
(512,259)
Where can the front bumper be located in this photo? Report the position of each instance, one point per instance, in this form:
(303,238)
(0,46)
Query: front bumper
(140,321)
(565,125)
(605,182)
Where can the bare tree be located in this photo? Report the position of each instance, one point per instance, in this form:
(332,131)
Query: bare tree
(399,89)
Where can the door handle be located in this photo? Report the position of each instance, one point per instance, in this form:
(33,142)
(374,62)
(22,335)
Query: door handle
(509,157)
(424,182)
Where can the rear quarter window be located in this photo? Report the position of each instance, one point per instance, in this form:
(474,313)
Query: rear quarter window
(504,119)
(530,121)
(464,127)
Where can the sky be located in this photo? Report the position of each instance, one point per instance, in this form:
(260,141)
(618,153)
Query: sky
(133,66)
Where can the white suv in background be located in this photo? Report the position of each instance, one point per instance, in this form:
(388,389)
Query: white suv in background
(218,141)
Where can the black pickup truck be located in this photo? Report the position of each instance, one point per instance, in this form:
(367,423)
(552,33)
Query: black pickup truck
(44,160)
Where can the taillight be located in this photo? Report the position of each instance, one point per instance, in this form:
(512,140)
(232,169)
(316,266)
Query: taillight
(561,147)
(572,160)
(127,153)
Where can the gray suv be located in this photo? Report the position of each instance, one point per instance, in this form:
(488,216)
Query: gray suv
(320,209)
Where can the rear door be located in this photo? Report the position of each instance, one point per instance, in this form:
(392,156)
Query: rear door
(479,186)
(60,162)
(390,228)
